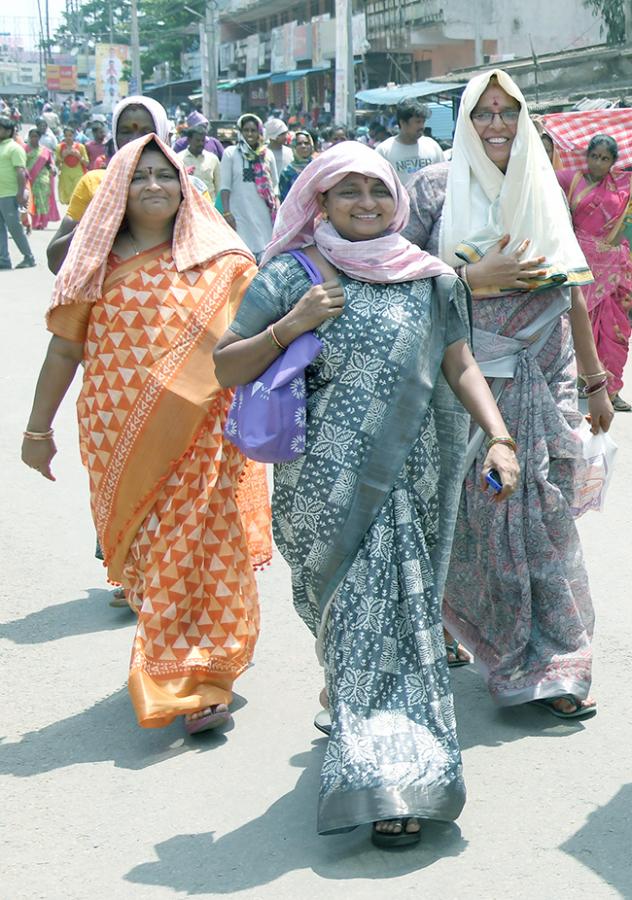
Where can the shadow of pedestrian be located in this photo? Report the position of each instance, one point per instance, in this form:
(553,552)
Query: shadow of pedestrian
(480,723)
(86,615)
(283,840)
(603,843)
(105,732)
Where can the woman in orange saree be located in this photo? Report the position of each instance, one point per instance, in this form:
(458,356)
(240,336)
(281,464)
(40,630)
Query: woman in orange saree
(153,278)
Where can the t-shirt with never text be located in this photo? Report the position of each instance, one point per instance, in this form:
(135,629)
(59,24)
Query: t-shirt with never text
(408,159)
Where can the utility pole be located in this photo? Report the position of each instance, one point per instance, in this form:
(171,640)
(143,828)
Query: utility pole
(208,58)
(210,24)
(345,76)
(136,72)
(478,40)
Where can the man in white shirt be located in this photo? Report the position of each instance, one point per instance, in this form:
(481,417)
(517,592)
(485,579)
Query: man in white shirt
(200,162)
(409,151)
(276,133)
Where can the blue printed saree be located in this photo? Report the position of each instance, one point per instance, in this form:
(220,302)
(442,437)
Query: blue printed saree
(365,521)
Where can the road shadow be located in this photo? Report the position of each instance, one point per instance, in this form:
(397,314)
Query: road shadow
(86,615)
(283,840)
(480,723)
(603,843)
(106,732)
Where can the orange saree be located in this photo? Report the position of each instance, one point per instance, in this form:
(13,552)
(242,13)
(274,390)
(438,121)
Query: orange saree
(163,480)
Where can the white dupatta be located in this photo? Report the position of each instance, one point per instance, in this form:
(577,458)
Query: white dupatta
(482,203)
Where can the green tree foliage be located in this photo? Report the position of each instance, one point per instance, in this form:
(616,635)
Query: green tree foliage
(613,16)
(166,28)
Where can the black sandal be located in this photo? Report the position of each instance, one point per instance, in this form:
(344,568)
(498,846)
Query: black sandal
(388,840)
(580,712)
(453,648)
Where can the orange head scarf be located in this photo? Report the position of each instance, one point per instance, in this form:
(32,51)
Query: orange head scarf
(200,234)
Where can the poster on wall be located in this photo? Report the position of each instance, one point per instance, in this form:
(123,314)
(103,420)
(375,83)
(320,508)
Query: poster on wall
(109,62)
(61,79)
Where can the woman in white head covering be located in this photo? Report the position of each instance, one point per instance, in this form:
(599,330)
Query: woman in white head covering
(132,118)
(517,592)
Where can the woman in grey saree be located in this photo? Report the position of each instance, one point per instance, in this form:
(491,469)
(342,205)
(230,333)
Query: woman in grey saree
(517,591)
(365,517)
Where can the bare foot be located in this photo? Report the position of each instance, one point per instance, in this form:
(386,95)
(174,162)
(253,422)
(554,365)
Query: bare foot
(324,699)
(395,826)
(563,705)
(207,711)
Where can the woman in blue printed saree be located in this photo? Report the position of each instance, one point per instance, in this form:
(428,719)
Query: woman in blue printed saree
(517,592)
(365,517)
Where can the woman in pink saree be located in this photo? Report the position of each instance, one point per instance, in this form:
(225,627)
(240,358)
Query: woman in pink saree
(598,199)
(41,168)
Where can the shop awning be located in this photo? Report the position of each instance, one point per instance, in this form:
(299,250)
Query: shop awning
(261,77)
(295,74)
(386,96)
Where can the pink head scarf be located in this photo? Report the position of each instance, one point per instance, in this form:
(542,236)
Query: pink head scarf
(389,258)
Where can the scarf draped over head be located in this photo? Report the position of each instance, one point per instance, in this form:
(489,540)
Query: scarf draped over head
(298,163)
(156,111)
(259,159)
(200,234)
(482,204)
(389,258)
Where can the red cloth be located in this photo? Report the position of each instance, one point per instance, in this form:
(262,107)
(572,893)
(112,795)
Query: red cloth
(572,132)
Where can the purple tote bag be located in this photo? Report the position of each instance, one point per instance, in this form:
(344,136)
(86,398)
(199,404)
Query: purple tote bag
(267,418)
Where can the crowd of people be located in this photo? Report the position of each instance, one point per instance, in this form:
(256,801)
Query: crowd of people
(427,519)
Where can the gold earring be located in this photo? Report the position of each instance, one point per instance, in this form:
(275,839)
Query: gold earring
(324,216)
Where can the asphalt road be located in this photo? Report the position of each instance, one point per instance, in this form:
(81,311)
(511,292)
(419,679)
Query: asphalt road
(94,808)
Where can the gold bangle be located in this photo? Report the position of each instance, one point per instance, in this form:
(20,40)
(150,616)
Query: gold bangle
(507,440)
(272,340)
(594,375)
(464,277)
(281,346)
(38,435)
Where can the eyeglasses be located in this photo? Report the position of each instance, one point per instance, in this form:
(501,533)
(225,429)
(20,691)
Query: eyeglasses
(507,116)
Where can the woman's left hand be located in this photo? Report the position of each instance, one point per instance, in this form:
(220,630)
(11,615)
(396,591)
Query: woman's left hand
(601,412)
(501,458)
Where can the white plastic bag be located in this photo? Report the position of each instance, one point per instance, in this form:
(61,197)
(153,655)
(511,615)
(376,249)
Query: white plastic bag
(594,471)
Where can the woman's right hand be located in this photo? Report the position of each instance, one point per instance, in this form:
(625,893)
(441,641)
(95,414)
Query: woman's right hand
(505,462)
(39,455)
(505,270)
(321,302)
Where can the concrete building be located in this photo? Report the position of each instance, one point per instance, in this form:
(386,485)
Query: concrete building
(281,53)
(417,39)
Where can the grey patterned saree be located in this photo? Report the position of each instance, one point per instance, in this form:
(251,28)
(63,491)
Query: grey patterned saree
(365,520)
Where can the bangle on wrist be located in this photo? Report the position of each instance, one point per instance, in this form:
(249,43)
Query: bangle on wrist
(596,390)
(39,435)
(593,375)
(274,339)
(507,440)
(595,387)
(463,276)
